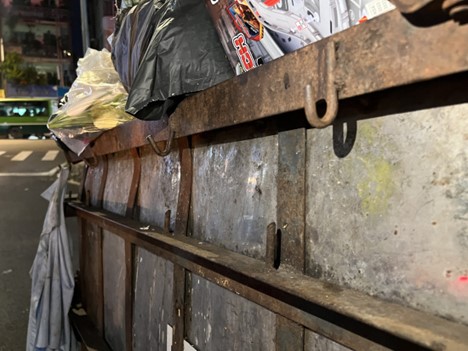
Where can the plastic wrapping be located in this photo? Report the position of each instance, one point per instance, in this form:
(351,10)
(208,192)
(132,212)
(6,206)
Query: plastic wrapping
(164,50)
(96,103)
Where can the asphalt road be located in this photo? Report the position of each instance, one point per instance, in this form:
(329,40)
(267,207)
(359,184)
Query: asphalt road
(27,168)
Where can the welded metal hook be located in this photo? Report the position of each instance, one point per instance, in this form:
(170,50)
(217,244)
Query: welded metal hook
(331,99)
(167,149)
(95,159)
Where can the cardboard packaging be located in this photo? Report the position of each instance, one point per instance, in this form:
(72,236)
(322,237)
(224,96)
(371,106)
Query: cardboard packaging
(254,32)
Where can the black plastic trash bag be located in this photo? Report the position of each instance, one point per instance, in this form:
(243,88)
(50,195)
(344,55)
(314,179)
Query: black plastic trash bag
(164,50)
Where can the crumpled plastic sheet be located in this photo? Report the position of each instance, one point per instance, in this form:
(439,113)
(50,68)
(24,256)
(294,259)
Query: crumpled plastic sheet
(52,279)
(95,103)
(165,50)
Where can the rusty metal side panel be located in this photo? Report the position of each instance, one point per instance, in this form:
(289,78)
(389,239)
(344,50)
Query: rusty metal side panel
(117,189)
(93,183)
(221,320)
(316,342)
(152,309)
(234,192)
(114,290)
(91,273)
(159,187)
(388,216)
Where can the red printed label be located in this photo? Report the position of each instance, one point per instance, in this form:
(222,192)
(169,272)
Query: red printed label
(243,52)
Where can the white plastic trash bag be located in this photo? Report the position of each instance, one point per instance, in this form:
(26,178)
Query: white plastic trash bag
(95,103)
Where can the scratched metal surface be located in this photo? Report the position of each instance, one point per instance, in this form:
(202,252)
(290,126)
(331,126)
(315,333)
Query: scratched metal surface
(222,320)
(389,218)
(234,192)
(316,342)
(114,290)
(159,186)
(91,274)
(116,192)
(119,177)
(92,183)
(152,308)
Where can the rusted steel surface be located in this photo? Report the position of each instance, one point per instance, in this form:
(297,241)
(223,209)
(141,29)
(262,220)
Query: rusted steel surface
(129,259)
(123,173)
(234,190)
(91,273)
(351,318)
(289,335)
(95,182)
(223,320)
(185,186)
(134,182)
(314,341)
(160,182)
(130,135)
(383,53)
(153,296)
(397,203)
(291,193)
(114,283)
(179,309)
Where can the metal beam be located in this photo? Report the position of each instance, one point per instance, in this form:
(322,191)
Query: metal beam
(383,53)
(349,317)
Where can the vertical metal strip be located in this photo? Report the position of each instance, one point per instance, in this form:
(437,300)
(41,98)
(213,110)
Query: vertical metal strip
(129,254)
(182,295)
(291,197)
(185,190)
(289,335)
(179,308)
(132,196)
(82,191)
(83,256)
(102,185)
(100,274)
(290,234)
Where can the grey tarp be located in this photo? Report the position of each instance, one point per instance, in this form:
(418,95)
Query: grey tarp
(52,278)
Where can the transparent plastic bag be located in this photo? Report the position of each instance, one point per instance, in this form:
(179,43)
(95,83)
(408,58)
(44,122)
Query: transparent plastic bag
(95,103)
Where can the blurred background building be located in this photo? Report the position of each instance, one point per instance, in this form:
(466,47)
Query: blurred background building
(41,41)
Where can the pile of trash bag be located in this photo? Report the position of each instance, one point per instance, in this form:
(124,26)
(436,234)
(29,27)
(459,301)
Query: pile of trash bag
(165,50)
(95,103)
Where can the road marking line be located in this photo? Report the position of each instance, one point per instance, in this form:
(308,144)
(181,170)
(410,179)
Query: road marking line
(50,155)
(23,155)
(2,152)
(50,173)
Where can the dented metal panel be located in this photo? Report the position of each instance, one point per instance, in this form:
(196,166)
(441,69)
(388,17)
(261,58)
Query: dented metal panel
(220,319)
(117,190)
(234,192)
(91,273)
(159,187)
(113,252)
(389,218)
(316,342)
(153,285)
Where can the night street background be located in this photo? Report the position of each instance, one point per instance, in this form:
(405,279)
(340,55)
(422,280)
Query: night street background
(27,168)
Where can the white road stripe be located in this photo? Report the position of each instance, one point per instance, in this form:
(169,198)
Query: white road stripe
(23,155)
(50,173)
(50,155)
(2,152)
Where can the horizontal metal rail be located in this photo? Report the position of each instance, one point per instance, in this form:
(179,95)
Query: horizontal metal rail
(388,52)
(349,317)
